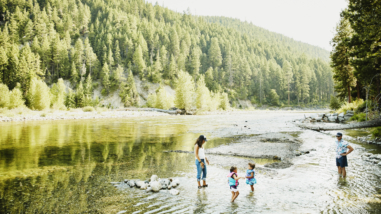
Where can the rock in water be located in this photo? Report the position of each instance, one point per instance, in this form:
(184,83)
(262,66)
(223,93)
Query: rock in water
(176,181)
(154,178)
(156,186)
(174,192)
(131,183)
(139,184)
(144,186)
(164,183)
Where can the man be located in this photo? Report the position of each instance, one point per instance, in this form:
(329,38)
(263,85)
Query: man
(341,154)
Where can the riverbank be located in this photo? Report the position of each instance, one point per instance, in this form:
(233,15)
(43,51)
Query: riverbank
(74,114)
(25,114)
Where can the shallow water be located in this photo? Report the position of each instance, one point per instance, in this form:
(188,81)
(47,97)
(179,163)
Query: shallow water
(67,167)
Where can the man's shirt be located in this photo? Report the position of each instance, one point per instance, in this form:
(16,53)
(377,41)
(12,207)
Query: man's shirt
(341,147)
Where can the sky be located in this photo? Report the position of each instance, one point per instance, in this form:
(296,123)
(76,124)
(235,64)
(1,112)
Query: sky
(309,21)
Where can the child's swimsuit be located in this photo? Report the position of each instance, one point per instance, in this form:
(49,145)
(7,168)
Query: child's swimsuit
(232,182)
(250,181)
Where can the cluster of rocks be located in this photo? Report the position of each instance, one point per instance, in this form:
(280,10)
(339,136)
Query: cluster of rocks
(372,158)
(368,140)
(154,184)
(334,117)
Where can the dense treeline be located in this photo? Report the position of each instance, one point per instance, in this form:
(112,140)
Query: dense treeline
(356,55)
(108,41)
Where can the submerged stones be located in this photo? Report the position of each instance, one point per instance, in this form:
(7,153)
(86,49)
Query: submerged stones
(155,185)
(372,158)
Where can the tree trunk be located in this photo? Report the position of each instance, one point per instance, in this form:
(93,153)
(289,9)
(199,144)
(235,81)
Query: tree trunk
(358,89)
(325,127)
(349,94)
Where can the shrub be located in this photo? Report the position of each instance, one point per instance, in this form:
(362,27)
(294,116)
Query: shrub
(58,95)
(88,109)
(184,91)
(273,98)
(376,132)
(361,107)
(350,106)
(15,98)
(225,105)
(39,95)
(4,98)
(358,117)
(334,103)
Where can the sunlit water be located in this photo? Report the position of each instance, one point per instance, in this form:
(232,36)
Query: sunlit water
(67,167)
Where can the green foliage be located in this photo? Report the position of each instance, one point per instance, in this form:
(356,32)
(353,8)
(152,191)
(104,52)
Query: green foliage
(129,93)
(39,95)
(225,105)
(334,103)
(88,109)
(4,98)
(273,98)
(184,91)
(359,117)
(376,132)
(350,106)
(70,99)
(161,99)
(15,98)
(102,39)
(80,99)
(58,95)
(151,100)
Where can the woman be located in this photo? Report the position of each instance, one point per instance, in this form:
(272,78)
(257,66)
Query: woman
(200,160)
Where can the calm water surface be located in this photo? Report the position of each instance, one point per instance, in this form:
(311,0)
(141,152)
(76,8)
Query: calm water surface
(67,167)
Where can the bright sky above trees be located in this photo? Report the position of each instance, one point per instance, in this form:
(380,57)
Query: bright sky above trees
(310,21)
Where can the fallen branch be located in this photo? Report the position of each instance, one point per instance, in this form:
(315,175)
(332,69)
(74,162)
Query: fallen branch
(153,109)
(325,127)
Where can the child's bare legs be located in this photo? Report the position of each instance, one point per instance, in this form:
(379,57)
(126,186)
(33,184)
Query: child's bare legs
(235,195)
(252,188)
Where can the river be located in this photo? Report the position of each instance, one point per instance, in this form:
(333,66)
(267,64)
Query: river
(67,167)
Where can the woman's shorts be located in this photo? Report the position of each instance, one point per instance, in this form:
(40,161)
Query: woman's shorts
(251,181)
(234,188)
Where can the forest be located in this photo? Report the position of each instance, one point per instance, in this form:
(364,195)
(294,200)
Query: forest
(211,62)
(356,55)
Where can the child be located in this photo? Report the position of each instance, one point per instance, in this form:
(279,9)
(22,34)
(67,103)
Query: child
(233,182)
(250,175)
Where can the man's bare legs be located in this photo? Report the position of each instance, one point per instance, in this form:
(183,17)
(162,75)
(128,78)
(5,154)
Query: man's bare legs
(342,171)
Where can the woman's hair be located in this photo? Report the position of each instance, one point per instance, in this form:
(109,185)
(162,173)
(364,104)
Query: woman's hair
(252,165)
(233,168)
(199,141)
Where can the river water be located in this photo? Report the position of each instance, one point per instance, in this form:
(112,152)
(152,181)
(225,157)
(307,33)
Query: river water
(67,167)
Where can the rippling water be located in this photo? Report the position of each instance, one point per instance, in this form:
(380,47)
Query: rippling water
(67,167)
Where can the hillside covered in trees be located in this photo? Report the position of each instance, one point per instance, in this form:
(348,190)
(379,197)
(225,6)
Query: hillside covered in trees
(98,43)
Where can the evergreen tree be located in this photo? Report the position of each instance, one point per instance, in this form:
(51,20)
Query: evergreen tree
(184,91)
(106,78)
(195,61)
(341,59)
(215,57)
(129,94)
(74,74)
(80,100)
(70,99)
(288,77)
(139,62)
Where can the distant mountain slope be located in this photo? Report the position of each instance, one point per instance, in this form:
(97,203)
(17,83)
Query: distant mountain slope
(265,35)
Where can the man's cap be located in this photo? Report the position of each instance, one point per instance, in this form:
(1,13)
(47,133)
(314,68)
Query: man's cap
(339,134)
(202,137)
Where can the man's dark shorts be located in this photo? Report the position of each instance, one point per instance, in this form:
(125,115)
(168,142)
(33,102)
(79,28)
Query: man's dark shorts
(342,162)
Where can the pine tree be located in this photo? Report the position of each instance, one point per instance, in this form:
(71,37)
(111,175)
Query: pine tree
(80,100)
(184,91)
(341,59)
(174,43)
(70,99)
(74,74)
(106,78)
(215,57)
(139,62)
(117,53)
(195,61)
(129,94)
(288,77)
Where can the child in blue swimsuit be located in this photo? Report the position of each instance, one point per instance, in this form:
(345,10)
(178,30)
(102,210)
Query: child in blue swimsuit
(250,176)
(233,182)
